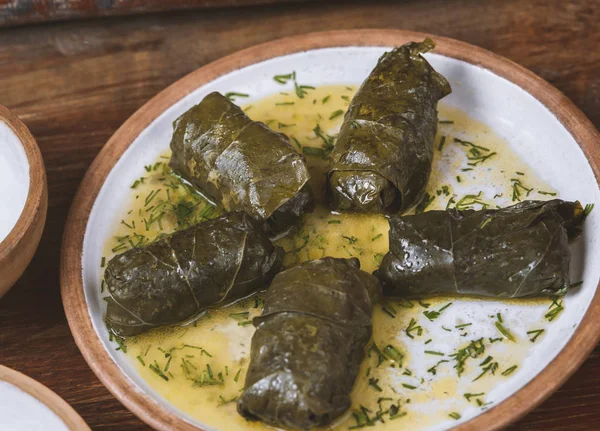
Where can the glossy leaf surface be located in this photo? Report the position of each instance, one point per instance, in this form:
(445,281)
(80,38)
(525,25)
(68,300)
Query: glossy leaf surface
(382,158)
(181,275)
(241,164)
(309,344)
(514,252)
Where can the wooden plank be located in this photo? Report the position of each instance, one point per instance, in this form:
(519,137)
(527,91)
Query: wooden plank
(75,83)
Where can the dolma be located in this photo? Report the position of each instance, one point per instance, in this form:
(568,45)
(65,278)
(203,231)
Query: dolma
(382,158)
(181,275)
(309,344)
(515,252)
(240,164)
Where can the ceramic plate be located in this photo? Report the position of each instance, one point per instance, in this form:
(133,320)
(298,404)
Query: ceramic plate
(543,128)
(29,405)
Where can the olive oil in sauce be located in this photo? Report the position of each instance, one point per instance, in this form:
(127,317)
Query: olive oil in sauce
(427,365)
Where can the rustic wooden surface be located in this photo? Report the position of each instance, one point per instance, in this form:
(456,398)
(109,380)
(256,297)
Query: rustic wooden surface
(75,83)
(29,11)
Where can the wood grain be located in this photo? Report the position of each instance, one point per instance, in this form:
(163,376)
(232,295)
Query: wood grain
(75,83)
(33,11)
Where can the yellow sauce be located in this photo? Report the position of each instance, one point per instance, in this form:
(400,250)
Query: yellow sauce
(222,341)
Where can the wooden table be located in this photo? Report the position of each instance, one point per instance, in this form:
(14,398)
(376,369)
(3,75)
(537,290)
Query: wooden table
(75,83)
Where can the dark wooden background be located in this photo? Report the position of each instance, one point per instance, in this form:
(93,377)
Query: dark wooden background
(75,83)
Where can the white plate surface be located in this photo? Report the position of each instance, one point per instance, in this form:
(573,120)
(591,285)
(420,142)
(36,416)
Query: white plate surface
(532,130)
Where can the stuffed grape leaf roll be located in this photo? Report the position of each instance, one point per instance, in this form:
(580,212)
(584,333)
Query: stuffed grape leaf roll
(309,344)
(181,275)
(383,155)
(515,252)
(240,164)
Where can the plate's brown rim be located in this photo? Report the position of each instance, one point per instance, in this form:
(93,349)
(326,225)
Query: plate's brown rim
(33,216)
(158,416)
(46,396)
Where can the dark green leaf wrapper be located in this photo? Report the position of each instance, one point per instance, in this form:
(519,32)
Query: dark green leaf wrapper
(179,276)
(382,158)
(241,164)
(515,252)
(309,344)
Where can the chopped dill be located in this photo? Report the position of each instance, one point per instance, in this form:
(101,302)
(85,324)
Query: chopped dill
(232,95)
(504,331)
(509,370)
(536,333)
(283,79)
(412,326)
(555,309)
(336,114)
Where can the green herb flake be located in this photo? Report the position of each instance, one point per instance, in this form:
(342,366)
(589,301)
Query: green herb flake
(336,114)
(518,189)
(373,383)
(490,367)
(232,95)
(441,144)
(389,310)
(555,309)
(433,314)
(412,327)
(509,370)
(504,331)
(454,415)
(393,354)
(326,99)
(468,396)
(432,352)
(536,333)
(334,222)
(156,369)
(283,79)
(541,192)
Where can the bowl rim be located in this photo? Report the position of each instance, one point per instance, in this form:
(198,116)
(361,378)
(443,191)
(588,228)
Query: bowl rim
(37,185)
(582,342)
(46,396)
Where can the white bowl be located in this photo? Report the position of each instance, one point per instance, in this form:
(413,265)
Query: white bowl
(543,127)
(29,405)
(23,198)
